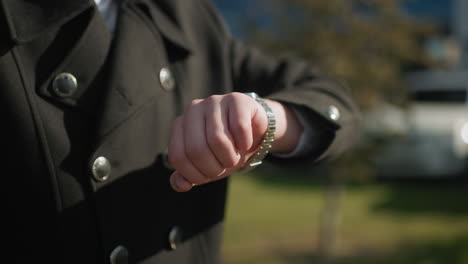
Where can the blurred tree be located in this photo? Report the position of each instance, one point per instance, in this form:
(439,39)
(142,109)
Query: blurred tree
(365,43)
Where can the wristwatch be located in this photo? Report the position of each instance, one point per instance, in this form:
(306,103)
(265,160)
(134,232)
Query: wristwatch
(267,142)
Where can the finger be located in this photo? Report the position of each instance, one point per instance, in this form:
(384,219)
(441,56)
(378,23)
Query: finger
(177,157)
(259,125)
(179,183)
(196,146)
(219,137)
(240,122)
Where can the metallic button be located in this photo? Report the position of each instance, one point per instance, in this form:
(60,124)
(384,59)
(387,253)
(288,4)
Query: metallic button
(64,85)
(175,237)
(119,255)
(101,169)
(333,113)
(166,79)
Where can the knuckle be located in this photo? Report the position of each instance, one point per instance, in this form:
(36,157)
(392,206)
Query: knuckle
(196,151)
(232,160)
(193,103)
(210,99)
(232,97)
(241,128)
(213,98)
(237,97)
(225,149)
(243,135)
(219,140)
(196,101)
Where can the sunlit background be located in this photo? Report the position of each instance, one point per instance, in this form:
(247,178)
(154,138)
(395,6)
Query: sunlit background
(402,195)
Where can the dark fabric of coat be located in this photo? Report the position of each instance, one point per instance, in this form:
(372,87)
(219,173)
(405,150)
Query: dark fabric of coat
(54,211)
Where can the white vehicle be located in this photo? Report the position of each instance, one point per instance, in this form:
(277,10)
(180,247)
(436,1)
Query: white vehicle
(433,131)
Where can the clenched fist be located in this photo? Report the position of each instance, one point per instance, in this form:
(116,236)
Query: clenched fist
(215,136)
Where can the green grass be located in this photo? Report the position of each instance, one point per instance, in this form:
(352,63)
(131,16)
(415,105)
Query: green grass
(274,218)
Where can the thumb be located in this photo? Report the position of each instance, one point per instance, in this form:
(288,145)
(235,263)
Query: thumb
(179,183)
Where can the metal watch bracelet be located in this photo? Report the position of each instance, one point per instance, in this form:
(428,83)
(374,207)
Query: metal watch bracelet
(267,142)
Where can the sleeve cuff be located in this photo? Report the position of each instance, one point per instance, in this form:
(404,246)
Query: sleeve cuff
(306,140)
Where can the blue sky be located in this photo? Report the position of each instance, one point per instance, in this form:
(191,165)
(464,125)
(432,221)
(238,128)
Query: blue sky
(234,10)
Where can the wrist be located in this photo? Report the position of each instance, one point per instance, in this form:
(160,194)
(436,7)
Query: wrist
(283,131)
(288,127)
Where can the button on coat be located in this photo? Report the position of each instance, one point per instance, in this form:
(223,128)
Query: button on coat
(333,113)
(166,79)
(175,237)
(119,255)
(65,85)
(101,169)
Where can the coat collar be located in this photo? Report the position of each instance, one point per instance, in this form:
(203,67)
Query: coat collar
(166,17)
(26,19)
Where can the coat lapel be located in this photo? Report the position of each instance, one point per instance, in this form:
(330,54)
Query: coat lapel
(140,51)
(164,15)
(146,39)
(137,111)
(85,60)
(80,49)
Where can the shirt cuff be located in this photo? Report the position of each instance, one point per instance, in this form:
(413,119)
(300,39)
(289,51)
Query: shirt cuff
(306,140)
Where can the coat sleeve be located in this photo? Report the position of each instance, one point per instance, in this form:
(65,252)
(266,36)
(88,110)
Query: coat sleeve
(325,103)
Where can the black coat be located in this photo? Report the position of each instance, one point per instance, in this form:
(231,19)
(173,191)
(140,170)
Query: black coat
(55,211)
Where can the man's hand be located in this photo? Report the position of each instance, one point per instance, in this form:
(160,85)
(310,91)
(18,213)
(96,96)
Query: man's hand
(215,136)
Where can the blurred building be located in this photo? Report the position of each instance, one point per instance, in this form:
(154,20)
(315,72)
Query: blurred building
(460,29)
(435,140)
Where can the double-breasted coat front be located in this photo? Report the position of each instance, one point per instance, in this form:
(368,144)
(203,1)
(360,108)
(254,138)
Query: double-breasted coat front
(86,117)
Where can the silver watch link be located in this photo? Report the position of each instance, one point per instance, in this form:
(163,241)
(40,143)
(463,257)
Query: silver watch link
(267,142)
